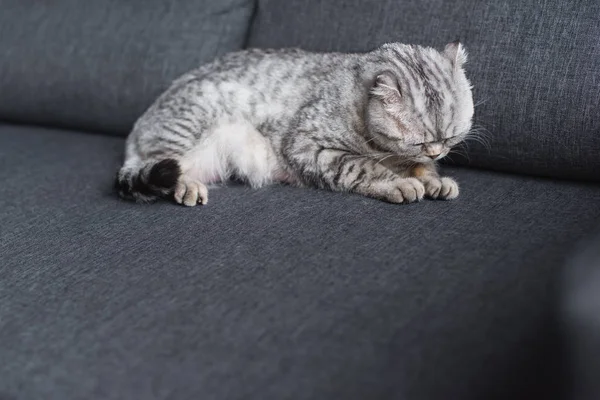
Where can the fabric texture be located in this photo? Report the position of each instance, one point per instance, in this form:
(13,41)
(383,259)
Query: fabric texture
(98,65)
(581,317)
(534,66)
(279,293)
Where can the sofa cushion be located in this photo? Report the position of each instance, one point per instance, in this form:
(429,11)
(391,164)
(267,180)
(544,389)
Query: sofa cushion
(99,64)
(534,66)
(581,317)
(279,293)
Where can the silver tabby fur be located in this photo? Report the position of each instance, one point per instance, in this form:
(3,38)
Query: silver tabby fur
(373,123)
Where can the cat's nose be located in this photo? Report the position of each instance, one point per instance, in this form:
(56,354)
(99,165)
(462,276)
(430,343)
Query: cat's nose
(433,156)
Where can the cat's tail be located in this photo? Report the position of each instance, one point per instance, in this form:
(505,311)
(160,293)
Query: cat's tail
(147,182)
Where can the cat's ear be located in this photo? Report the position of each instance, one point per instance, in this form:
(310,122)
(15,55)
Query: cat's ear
(456,53)
(386,87)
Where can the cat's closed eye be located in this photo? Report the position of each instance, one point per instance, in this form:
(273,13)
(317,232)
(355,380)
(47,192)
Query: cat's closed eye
(422,144)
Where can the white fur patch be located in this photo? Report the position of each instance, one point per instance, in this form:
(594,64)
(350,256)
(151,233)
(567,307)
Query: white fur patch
(232,149)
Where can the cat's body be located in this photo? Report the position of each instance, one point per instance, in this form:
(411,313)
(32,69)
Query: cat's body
(369,123)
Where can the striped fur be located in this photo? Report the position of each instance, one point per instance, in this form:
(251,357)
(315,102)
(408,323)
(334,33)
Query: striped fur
(361,123)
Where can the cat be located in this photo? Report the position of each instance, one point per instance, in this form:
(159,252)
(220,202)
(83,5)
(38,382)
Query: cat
(370,123)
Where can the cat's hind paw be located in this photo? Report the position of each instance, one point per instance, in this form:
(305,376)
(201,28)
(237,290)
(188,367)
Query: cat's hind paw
(190,192)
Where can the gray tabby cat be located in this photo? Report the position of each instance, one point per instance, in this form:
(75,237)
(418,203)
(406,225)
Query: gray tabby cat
(373,124)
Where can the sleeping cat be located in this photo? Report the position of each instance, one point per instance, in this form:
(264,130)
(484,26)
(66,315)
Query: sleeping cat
(373,124)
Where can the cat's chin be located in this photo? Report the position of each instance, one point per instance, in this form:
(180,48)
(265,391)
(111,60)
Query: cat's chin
(429,160)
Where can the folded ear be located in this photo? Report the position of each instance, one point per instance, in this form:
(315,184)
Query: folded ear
(386,87)
(456,53)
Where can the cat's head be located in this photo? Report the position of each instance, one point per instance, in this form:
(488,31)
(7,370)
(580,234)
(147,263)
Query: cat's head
(420,104)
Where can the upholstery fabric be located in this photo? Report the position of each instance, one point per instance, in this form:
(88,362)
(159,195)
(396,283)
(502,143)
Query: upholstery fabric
(581,313)
(98,65)
(279,293)
(535,67)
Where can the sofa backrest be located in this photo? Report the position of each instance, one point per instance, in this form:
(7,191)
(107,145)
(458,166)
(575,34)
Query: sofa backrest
(535,66)
(97,65)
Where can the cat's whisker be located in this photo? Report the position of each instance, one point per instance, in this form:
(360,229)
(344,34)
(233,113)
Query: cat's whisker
(463,155)
(449,157)
(462,149)
(377,155)
(477,123)
(480,129)
(480,135)
(481,132)
(483,141)
(384,158)
(480,102)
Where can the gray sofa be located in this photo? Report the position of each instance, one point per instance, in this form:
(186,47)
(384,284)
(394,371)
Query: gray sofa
(285,293)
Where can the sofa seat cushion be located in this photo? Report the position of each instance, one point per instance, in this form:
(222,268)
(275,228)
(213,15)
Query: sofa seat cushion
(274,293)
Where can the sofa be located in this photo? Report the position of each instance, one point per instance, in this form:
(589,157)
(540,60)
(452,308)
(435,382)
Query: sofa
(286,293)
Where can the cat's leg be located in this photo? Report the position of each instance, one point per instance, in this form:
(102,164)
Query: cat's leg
(436,186)
(157,164)
(190,189)
(340,170)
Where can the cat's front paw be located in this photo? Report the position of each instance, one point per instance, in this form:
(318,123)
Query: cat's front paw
(190,192)
(441,188)
(404,190)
